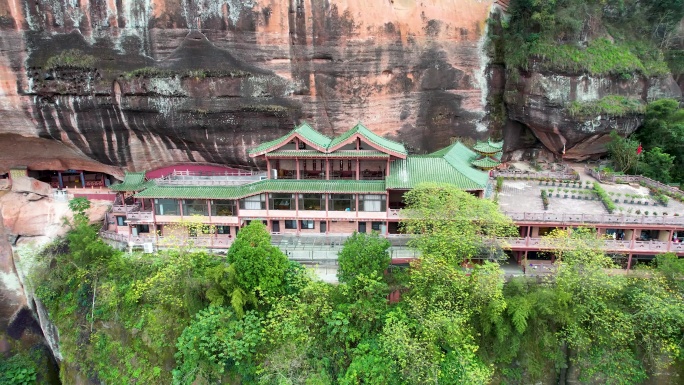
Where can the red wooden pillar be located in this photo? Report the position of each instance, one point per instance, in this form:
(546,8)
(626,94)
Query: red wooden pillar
(358,170)
(297,162)
(268,168)
(327,169)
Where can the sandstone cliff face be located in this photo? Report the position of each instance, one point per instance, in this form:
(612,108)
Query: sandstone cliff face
(540,101)
(29,218)
(215,77)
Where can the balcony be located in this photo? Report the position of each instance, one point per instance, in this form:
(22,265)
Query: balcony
(596,218)
(615,246)
(140,216)
(193,178)
(214,242)
(125,209)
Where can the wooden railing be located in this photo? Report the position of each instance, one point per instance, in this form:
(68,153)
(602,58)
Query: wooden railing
(125,208)
(213,173)
(558,175)
(597,218)
(656,247)
(217,242)
(146,216)
(194,178)
(632,179)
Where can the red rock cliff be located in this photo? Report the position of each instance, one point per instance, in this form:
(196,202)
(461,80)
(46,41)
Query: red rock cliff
(144,83)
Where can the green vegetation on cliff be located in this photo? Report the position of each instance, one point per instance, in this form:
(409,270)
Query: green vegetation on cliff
(662,140)
(73,58)
(613,105)
(187,317)
(599,37)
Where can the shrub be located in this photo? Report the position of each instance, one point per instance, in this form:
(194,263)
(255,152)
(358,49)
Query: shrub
(607,201)
(499,183)
(73,58)
(545,199)
(363,254)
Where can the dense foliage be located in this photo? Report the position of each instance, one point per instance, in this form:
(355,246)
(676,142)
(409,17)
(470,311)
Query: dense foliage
(454,224)
(662,140)
(600,37)
(159,318)
(363,254)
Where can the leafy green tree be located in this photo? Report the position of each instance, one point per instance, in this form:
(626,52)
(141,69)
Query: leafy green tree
(363,254)
(672,268)
(623,152)
(452,224)
(255,269)
(216,344)
(663,128)
(657,165)
(79,206)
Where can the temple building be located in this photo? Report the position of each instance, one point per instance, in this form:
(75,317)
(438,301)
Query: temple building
(489,155)
(314,187)
(312,184)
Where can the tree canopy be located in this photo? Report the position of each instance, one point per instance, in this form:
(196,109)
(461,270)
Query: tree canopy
(363,254)
(453,224)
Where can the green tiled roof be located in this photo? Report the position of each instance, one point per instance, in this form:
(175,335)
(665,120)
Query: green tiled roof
(328,145)
(318,154)
(370,137)
(459,157)
(485,163)
(443,151)
(133,181)
(488,147)
(273,185)
(304,131)
(410,172)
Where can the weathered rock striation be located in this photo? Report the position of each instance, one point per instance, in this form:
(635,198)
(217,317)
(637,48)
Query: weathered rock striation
(541,102)
(138,84)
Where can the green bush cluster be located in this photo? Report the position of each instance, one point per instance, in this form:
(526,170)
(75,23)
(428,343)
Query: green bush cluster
(601,57)
(155,72)
(603,196)
(73,58)
(606,37)
(254,318)
(545,199)
(499,183)
(613,105)
(18,370)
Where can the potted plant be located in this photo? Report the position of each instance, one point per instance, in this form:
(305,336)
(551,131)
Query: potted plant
(637,212)
(646,212)
(566,193)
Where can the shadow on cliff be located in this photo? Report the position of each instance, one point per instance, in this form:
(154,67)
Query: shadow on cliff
(197,52)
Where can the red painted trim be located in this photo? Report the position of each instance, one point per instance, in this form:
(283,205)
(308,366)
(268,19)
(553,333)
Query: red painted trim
(286,141)
(364,140)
